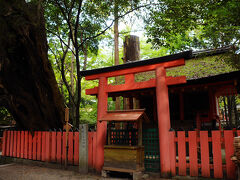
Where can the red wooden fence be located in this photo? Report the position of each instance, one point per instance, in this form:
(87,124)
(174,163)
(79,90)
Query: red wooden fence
(47,146)
(206,154)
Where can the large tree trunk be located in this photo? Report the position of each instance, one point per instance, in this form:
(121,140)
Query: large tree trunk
(131,52)
(131,48)
(116,50)
(28,88)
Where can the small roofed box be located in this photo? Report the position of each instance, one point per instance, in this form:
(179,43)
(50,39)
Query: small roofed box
(124,151)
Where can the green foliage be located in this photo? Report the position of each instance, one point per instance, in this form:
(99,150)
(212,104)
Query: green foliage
(148,52)
(5,117)
(184,24)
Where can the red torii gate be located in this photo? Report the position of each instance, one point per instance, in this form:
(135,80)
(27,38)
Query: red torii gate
(161,83)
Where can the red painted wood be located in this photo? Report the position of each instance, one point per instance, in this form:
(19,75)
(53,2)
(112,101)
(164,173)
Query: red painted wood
(129,79)
(48,146)
(175,80)
(53,147)
(172,153)
(70,148)
(25,144)
(169,64)
(8,143)
(94,149)
(63,147)
(137,85)
(101,127)
(163,120)
(11,144)
(76,148)
(4,143)
(15,144)
(205,168)
(90,149)
(30,146)
(193,159)
(34,147)
(182,153)
(39,145)
(43,155)
(217,154)
(59,147)
(18,143)
(229,150)
(238,132)
(22,144)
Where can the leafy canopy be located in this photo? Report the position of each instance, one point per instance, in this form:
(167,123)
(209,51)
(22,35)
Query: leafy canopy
(184,24)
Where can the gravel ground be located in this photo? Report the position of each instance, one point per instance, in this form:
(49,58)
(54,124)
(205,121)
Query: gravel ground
(26,172)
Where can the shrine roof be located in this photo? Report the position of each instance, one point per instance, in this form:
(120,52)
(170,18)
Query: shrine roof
(187,55)
(124,115)
(229,76)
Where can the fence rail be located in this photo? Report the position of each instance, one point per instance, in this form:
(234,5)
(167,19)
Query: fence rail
(47,146)
(206,154)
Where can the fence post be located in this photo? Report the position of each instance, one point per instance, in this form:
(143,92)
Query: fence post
(217,154)
(34,148)
(4,143)
(193,159)
(59,147)
(48,147)
(172,153)
(205,167)
(15,144)
(11,143)
(22,145)
(8,143)
(229,149)
(70,148)
(25,152)
(18,143)
(182,164)
(53,146)
(76,148)
(30,146)
(83,148)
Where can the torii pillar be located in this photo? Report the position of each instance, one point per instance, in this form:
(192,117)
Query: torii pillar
(101,126)
(163,121)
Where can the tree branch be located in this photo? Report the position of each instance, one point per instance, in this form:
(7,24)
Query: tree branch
(121,16)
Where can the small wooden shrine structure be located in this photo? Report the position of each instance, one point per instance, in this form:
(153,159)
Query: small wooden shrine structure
(124,151)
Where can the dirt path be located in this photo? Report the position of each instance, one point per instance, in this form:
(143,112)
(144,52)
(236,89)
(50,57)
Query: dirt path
(25,172)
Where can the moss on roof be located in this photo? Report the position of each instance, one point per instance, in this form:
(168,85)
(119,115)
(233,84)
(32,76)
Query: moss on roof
(203,67)
(195,68)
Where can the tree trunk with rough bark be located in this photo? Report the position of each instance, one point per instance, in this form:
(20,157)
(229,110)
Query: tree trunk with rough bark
(131,52)
(131,48)
(116,50)
(28,87)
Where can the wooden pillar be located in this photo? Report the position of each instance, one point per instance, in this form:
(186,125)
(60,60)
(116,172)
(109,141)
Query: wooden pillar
(101,126)
(163,120)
